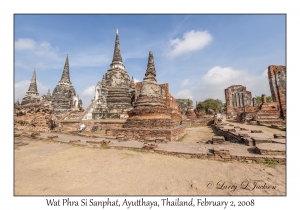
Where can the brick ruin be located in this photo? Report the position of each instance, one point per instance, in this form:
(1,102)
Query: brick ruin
(34,117)
(277,82)
(155,113)
(241,105)
(169,100)
(41,113)
(190,113)
(114,95)
(238,99)
(191,117)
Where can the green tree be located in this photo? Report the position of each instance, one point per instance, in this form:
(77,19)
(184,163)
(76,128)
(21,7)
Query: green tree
(183,103)
(210,103)
(259,99)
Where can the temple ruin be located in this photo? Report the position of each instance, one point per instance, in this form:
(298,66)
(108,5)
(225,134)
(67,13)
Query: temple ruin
(32,95)
(115,93)
(155,114)
(34,116)
(237,99)
(64,97)
(190,113)
(241,105)
(277,82)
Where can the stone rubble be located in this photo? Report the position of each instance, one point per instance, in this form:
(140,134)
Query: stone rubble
(34,116)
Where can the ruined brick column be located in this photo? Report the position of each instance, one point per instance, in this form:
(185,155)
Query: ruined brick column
(254,101)
(277,82)
(263,99)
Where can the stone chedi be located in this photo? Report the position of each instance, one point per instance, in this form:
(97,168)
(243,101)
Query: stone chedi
(64,96)
(190,113)
(114,95)
(32,95)
(155,113)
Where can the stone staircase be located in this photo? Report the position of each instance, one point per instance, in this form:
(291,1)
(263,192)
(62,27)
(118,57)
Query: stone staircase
(88,109)
(270,117)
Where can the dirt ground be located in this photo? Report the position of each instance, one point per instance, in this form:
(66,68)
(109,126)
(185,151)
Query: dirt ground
(52,168)
(201,133)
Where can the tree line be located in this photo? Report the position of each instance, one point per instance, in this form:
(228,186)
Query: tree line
(218,106)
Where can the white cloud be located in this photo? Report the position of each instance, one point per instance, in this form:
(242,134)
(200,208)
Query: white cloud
(136,80)
(89,91)
(22,87)
(218,75)
(192,41)
(41,49)
(184,83)
(185,94)
(25,44)
(217,79)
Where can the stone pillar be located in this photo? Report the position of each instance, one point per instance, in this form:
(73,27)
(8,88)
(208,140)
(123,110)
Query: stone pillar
(243,100)
(237,99)
(254,101)
(263,99)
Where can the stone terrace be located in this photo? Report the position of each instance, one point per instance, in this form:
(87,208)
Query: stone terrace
(274,150)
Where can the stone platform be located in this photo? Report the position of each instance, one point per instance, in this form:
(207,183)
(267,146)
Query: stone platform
(271,149)
(140,134)
(228,151)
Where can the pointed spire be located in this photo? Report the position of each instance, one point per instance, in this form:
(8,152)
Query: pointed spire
(150,73)
(117,51)
(103,82)
(132,83)
(48,93)
(32,86)
(65,78)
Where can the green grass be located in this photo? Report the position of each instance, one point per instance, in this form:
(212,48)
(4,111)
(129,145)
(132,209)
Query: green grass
(105,147)
(271,163)
(225,161)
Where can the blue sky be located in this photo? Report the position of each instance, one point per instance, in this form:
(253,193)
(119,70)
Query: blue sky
(198,55)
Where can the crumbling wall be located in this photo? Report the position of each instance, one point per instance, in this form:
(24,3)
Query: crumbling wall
(34,117)
(142,134)
(277,82)
(237,99)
